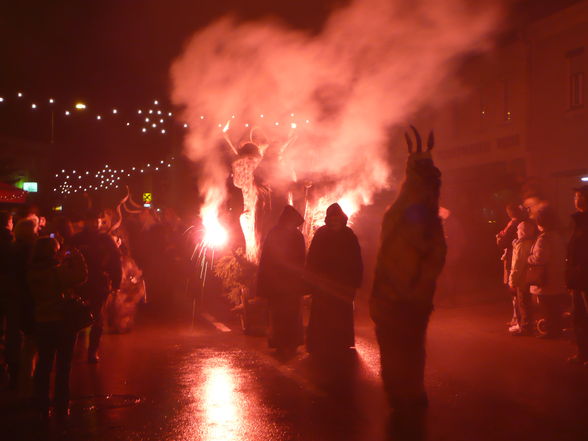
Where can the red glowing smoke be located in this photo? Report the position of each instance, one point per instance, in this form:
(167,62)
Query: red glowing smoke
(373,65)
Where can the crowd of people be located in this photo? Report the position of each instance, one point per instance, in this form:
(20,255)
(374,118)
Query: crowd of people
(541,273)
(44,265)
(48,265)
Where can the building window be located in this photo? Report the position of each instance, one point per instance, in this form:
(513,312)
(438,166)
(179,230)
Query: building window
(576,90)
(576,64)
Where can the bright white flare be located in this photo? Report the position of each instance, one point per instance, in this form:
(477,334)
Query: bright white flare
(215,235)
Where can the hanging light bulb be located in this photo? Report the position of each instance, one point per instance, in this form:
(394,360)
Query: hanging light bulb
(51,100)
(33,106)
(114,111)
(98,117)
(19,94)
(67,113)
(1,99)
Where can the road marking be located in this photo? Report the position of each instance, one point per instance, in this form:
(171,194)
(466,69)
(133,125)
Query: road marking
(218,325)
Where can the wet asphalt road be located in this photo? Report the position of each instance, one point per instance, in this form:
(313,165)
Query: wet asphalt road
(168,382)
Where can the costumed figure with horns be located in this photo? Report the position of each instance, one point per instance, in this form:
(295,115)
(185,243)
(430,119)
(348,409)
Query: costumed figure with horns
(410,259)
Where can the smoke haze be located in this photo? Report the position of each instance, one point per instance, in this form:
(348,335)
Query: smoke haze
(373,64)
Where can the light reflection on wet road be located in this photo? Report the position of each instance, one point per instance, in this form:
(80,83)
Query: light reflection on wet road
(162,384)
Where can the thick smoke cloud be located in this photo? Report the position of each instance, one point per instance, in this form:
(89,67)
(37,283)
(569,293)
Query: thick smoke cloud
(374,63)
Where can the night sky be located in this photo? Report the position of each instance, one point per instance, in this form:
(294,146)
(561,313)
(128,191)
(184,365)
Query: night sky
(117,53)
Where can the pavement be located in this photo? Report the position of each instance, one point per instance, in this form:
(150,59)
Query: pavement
(212,383)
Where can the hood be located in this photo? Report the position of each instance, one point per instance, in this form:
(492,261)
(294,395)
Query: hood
(335,212)
(290,216)
(526,230)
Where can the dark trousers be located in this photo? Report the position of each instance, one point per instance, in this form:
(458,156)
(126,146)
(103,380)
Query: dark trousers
(54,343)
(524,301)
(96,330)
(13,341)
(580,320)
(402,336)
(552,309)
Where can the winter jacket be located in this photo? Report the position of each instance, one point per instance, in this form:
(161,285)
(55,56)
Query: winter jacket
(104,263)
(49,282)
(504,241)
(520,253)
(577,253)
(549,252)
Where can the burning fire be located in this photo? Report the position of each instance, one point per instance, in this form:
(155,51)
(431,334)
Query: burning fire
(348,205)
(215,235)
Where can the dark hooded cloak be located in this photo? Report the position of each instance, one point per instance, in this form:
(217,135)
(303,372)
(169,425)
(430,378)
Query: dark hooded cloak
(280,279)
(335,271)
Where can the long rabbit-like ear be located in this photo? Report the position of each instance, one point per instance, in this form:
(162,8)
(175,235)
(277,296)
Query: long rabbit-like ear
(408,143)
(419,141)
(431,141)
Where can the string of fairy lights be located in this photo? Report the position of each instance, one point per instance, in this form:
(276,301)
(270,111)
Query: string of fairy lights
(152,118)
(74,181)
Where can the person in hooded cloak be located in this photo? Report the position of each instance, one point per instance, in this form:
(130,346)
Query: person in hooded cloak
(335,271)
(280,281)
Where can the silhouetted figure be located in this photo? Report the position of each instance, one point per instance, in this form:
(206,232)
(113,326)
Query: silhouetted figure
(280,281)
(335,272)
(548,284)
(104,273)
(6,276)
(19,319)
(577,274)
(49,279)
(411,257)
(504,241)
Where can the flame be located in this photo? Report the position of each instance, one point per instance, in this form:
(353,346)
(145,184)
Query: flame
(348,205)
(227,126)
(215,235)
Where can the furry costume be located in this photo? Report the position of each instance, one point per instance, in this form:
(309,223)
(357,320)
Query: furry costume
(411,257)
